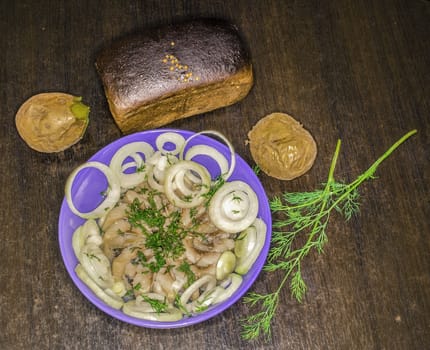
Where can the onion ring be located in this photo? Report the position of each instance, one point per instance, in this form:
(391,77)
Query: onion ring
(158,165)
(226,175)
(233,283)
(89,232)
(233,207)
(113,193)
(132,309)
(97,265)
(104,294)
(206,280)
(245,262)
(171,184)
(170,137)
(131,150)
(210,152)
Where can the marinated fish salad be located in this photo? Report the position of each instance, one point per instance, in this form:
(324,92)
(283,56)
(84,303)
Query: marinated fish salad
(168,240)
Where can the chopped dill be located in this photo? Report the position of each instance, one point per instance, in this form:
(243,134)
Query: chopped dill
(165,240)
(237,198)
(181,306)
(141,168)
(191,277)
(219,181)
(92,256)
(157,305)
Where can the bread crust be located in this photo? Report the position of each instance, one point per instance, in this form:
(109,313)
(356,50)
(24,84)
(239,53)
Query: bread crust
(161,75)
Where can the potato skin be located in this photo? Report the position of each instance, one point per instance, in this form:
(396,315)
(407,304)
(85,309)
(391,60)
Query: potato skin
(47,124)
(281,147)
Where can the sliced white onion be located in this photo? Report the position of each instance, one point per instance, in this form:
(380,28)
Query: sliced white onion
(247,258)
(182,178)
(162,161)
(170,137)
(130,180)
(210,152)
(132,309)
(78,240)
(205,300)
(225,175)
(245,242)
(97,265)
(172,183)
(207,281)
(233,283)
(233,207)
(153,182)
(89,232)
(142,307)
(132,150)
(112,194)
(105,295)
(119,288)
(217,294)
(158,166)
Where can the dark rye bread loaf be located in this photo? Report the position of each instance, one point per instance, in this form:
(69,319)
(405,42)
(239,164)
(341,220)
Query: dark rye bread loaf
(164,74)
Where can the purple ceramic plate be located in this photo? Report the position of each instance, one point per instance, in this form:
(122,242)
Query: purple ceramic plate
(86,194)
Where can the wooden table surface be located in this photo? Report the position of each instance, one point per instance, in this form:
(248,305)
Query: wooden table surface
(354,70)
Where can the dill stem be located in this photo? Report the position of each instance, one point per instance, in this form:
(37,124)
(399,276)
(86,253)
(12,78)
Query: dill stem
(330,178)
(371,170)
(287,274)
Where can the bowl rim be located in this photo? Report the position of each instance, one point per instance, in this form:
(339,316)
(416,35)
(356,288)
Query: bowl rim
(67,223)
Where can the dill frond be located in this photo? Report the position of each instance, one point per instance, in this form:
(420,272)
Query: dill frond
(303,217)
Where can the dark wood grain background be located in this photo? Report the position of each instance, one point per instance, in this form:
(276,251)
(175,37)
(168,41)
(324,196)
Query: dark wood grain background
(354,70)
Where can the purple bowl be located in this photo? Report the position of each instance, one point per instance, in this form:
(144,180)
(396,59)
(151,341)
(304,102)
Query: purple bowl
(86,192)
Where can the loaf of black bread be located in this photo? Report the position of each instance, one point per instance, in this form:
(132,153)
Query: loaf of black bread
(168,73)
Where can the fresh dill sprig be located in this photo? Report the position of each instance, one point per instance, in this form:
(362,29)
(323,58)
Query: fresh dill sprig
(304,214)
